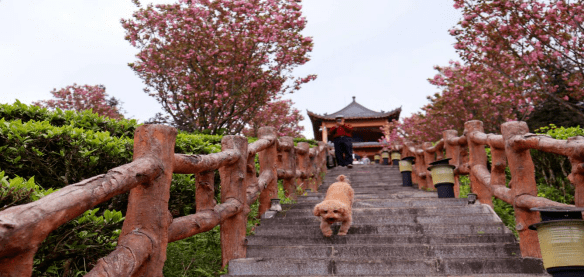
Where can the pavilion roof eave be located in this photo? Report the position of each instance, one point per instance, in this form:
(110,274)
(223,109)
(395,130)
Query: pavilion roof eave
(391,114)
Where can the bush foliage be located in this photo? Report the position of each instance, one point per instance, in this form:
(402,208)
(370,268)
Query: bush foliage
(85,120)
(59,156)
(42,151)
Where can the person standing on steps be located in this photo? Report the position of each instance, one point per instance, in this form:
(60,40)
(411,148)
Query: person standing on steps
(341,135)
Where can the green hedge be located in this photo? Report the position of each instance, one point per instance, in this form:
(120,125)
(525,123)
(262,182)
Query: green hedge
(86,119)
(58,156)
(46,150)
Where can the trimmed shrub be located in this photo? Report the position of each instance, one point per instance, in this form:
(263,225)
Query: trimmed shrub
(85,119)
(58,156)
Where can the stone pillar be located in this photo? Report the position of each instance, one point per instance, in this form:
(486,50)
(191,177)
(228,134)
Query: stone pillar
(428,158)
(522,183)
(478,156)
(286,162)
(267,160)
(147,217)
(302,164)
(233,187)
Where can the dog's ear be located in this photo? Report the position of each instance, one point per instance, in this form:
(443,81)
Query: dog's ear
(316,210)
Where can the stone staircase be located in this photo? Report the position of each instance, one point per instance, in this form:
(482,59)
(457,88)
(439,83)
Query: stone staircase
(396,231)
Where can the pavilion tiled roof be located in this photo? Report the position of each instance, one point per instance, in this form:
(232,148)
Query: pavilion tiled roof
(353,111)
(356,111)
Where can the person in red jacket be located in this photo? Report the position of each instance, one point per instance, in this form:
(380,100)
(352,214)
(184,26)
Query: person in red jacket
(341,135)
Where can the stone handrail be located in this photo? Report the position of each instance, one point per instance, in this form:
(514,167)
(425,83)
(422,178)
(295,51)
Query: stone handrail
(148,225)
(511,149)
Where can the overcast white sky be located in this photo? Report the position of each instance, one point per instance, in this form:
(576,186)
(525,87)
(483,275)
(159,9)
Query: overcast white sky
(381,51)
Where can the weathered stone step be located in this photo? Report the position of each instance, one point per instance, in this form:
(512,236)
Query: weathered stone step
(383,267)
(384,194)
(313,230)
(370,187)
(386,251)
(385,203)
(392,219)
(300,239)
(395,211)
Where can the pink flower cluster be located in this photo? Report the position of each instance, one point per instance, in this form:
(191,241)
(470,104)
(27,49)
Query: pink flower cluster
(84,97)
(515,55)
(279,114)
(216,64)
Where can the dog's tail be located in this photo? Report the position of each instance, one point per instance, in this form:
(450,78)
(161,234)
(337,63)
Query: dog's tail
(342,178)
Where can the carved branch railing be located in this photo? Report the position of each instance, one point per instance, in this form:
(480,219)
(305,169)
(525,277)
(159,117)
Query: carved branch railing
(468,155)
(148,225)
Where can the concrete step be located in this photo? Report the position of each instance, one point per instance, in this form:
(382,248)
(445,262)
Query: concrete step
(396,231)
(387,251)
(370,186)
(374,194)
(385,267)
(389,203)
(313,230)
(395,211)
(301,239)
(392,219)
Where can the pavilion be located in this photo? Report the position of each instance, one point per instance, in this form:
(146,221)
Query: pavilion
(366,124)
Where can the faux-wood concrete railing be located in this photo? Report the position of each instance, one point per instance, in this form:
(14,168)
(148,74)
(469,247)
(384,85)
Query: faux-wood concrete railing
(149,226)
(511,147)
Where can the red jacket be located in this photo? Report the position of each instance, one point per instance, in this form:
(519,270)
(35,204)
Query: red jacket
(338,131)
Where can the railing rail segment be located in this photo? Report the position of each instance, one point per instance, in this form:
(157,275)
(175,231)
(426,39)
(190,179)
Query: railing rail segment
(510,149)
(149,226)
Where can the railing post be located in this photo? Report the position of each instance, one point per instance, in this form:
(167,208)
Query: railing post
(287,165)
(407,152)
(321,164)
(522,183)
(233,187)
(498,165)
(420,168)
(478,156)
(144,235)
(205,191)
(428,158)
(302,166)
(576,176)
(313,172)
(267,160)
(453,152)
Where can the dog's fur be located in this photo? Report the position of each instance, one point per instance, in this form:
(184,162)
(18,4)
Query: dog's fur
(336,207)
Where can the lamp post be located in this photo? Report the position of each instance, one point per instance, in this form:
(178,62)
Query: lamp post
(385,157)
(405,167)
(395,157)
(443,177)
(561,240)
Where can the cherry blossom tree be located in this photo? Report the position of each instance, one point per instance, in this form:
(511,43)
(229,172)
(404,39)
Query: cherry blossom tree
(279,114)
(213,65)
(84,97)
(537,45)
(517,56)
(468,92)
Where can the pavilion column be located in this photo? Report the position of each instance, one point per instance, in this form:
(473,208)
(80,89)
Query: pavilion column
(324,133)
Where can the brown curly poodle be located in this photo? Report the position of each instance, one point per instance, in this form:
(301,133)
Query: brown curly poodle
(336,207)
